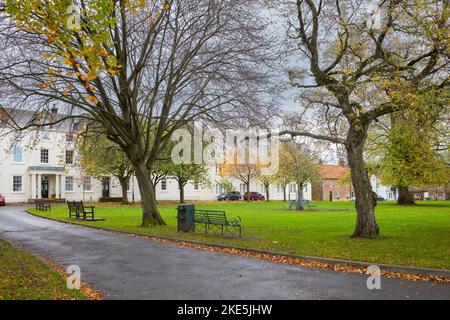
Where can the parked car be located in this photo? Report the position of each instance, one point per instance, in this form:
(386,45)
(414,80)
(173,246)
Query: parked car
(230,196)
(379,198)
(253,196)
(2,200)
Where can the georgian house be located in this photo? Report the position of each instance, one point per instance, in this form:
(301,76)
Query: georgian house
(39,162)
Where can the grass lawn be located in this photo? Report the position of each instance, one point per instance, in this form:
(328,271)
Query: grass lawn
(410,236)
(26,277)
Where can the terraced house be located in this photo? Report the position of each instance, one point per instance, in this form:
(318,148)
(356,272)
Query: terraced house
(40,163)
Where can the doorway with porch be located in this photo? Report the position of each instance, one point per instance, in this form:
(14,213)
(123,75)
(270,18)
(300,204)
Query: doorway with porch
(44,187)
(106,182)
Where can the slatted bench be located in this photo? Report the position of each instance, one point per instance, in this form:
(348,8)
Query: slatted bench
(217,221)
(80,211)
(42,205)
(304,203)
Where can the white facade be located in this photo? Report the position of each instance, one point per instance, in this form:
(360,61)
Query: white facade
(40,164)
(387,192)
(36,165)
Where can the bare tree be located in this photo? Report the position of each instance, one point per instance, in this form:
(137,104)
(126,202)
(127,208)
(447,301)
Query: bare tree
(299,163)
(245,173)
(139,69)
(360,71)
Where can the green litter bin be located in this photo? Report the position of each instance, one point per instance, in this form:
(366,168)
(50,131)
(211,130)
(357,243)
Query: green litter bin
(186,218)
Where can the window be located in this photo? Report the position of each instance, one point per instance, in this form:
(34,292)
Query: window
(17,184)
(69,184)
(338,195)
(292,188)
(17,156)
(18,136)
(196,186)
(164,185)
(87,185)
(219,189)
(44,155)
(45,135)
(69,156)
(69,137)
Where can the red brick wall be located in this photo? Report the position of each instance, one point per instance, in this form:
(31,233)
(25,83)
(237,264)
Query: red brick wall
(321,192)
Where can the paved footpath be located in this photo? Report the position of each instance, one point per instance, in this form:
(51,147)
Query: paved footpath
(129,268)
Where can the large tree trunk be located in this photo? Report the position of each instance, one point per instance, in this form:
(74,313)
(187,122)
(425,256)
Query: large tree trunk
(124,186)
(150,212)
(299,204)
(154,191)
(267,187)
(181,188)
(366,225)
(404,196)
(284,193)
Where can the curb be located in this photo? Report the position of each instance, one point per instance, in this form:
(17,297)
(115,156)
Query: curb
(346,263)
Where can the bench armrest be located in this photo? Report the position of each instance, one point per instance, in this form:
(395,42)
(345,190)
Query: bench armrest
(235,221)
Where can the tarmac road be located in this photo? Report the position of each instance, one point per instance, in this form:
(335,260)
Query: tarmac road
(128,268)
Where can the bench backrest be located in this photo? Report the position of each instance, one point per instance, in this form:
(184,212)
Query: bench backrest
(216,217)
(210,216)
(74,205)
(200,216)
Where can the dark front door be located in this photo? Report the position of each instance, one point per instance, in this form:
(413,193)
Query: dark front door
(105,188)
(44,187)
(331,196)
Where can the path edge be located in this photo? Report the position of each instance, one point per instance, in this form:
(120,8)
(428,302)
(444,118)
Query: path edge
(332,261)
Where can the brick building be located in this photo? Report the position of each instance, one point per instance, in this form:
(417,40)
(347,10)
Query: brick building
(329,188)
(430,193)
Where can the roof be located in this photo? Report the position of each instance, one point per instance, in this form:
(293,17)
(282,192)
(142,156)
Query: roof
(24,117)
(334,172)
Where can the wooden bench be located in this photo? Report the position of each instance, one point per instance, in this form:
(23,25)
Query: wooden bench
(303,203)
(42,205)
(80,211)
(217,221)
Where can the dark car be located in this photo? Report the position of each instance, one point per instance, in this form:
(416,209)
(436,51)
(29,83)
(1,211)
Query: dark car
(253,196)
(2,200)
(230,196)
(380,198)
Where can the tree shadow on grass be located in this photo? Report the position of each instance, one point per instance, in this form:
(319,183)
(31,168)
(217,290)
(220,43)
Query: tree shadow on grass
(426,205)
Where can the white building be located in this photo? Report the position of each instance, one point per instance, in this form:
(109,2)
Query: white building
(387,192)
(39,164)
